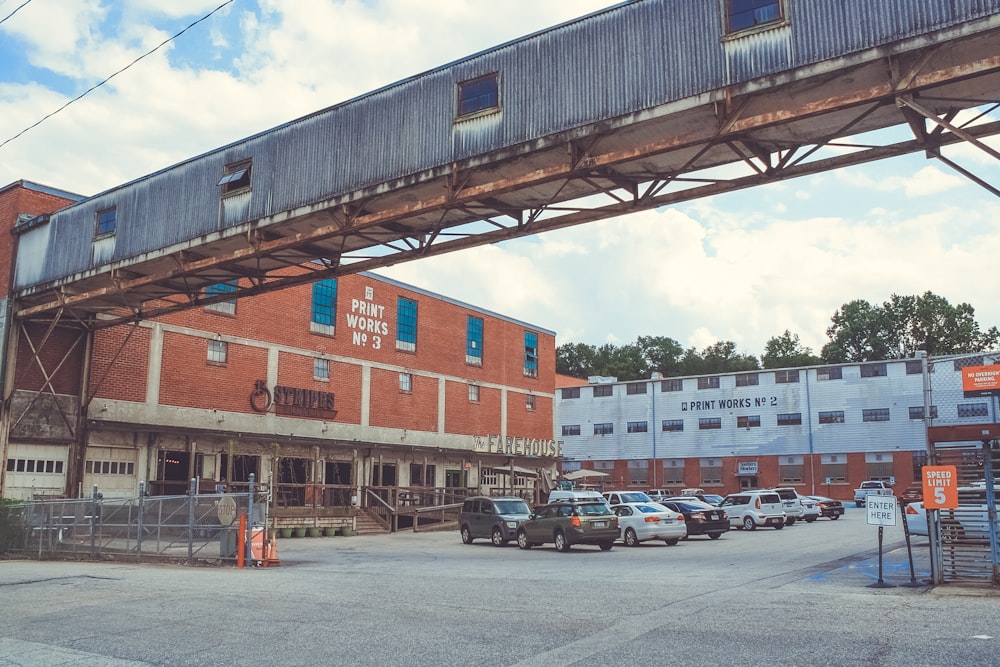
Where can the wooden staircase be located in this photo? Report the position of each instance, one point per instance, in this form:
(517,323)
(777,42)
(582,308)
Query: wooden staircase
(366,524)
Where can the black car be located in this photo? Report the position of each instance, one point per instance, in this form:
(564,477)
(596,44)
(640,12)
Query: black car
(701,518)
(828,507)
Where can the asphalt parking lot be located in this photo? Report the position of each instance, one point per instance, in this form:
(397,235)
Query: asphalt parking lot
(799,596)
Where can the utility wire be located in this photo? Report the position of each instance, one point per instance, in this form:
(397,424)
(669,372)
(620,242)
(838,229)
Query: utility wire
(98,85)
(15,11)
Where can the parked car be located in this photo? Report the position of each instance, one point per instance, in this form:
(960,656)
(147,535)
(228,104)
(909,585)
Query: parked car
(791,503)
(699,517)
(640,522)
(656,495)
(710,498)
(828,507)
(970,519)
(620,497)
(495,518)
(810,509)
(749,509)
(575,494)
(565,523)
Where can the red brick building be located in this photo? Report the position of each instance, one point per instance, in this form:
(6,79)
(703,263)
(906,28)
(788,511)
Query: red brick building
(325,392)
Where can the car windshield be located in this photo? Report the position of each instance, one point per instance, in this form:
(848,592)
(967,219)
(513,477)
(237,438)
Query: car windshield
(769,498)
(693,505)
(595,509)
(650,509)
(512,507)
(635,498)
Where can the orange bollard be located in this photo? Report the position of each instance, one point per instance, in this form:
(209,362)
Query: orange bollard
(241,540)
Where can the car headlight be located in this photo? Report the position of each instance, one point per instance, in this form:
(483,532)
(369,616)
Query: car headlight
(511,524)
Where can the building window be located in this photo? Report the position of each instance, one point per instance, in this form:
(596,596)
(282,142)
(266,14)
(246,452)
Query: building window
(235,178)
(473,393)
(879,467)
(570,392)
(917,412)
(790,419)
(45,467)
(324,307)
(637,427)
(601,390)
(673,384)
(673,472)
(604,466)
(708,383)
(830,373)
(919,461)
(746,14)
(479,95)
(711,471)
(790,469)
(747,380)
(833,468)
(709,423)
(748,421)
(107,222)
(605,428)
(638,472)
(529,402)
(873,370)
(321,369)
(406,325)
(406,382)
(571,429)
(785,377)
(831,417)
(474,341)
(914,367)
(217,351)
(875,415)
(635,388)
(225,306)
(966,410)
(530,354)
(673,425)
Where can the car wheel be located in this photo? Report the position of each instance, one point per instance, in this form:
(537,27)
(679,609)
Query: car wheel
(714,536)
(779,526)
(790,522)
(606,546)
(857,503)
(497,538)
(631,539)
(672,542)
(562,544)
(834,517)
(466,535)
(749,524)
(810,519)
(522,540)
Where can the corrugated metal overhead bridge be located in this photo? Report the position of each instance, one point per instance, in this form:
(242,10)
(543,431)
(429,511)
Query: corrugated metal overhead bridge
(642,105)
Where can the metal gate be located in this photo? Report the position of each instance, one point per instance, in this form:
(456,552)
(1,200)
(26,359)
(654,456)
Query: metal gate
(964,540)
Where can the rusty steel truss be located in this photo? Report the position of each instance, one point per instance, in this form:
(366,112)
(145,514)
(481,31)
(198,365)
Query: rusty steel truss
(796,124)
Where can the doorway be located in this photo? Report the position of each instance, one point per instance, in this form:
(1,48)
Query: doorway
(748,482)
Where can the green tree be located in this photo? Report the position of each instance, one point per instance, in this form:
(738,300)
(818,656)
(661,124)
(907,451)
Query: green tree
(661,354)
(720,357)
(576,359)
(786,351)
(902,325)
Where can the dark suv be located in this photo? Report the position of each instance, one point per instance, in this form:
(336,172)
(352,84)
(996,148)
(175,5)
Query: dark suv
(495,518)
(567,523)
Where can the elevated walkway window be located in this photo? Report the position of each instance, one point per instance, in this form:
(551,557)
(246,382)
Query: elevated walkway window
(479,95)
(746,14)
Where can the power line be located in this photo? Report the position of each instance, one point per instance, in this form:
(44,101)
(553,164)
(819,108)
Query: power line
(98,85)
(15,11)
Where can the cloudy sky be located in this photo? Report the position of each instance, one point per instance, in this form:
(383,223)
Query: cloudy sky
(741,267)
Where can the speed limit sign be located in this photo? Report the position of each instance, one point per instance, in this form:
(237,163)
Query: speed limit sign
(940,487)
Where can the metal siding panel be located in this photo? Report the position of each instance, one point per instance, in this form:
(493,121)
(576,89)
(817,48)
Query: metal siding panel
(625,59)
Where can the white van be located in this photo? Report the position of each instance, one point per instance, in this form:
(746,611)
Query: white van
(575,494)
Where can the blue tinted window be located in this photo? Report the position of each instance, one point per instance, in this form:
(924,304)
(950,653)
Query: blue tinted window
(530,354)
(478,95)
(474,339)
(406,320)
(324,302)
(107,221)
(745,14)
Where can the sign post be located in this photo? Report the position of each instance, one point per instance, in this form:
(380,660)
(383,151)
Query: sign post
(881,511)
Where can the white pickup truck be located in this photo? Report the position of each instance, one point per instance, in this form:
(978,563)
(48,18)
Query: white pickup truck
(870,488)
